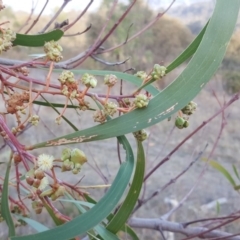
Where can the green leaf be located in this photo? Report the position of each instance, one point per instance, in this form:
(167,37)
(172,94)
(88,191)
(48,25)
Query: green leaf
(34,224)
(185,55)
(130,232)
(237,187)
(188,52)
(56,105)
(188,84)
(100,211)
(126,228)
(222,170)
(81,203)
(235,171)
(37,40)
(5,211)
(126,208)
(103,232)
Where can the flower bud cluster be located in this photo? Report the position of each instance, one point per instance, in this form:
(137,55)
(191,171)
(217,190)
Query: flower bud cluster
(55,192)
(89,80)
(16,102)
(110,108)
(37,179)
(6,38)
(53,51)
(99,116)
(110,80)
(23,70)
(141,135)
(181,122)
(34,120)
(158,71)
(190,108)
(73,159)
(68,84)
(141,74)
(141,101)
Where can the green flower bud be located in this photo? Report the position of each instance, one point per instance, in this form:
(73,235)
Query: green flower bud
(67,165)
(181,123)
(190,108)
(89,80)
(110,80)
(158,71)
(141,135)
(110,108)
(141,101)
(78,156)
(58,193)
(66,154)
(78,166)
(186,124)
(75,171)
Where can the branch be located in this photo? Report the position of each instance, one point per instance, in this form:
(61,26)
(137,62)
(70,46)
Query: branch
(39,15)
(109,63)
(78,33)
(65,2)
(29,17)
(159,15)
(96,42)
(233,99)
(159,224)
(173,180)
(79,17)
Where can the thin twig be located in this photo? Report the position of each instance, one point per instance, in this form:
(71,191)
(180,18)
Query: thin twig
(96,42)
(29,17)
(78,33)
(233,99)
(79,17)
(173,180)
(65,2)
(38,17)
(109,63)
(155,223)
(159,15)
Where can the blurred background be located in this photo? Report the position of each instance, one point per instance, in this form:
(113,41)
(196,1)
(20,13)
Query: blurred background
(160,44)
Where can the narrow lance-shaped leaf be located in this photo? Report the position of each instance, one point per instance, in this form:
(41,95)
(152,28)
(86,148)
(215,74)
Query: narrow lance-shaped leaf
(127,206)
(189,83)
(37,40)
(5,211)
(100,211)
(223,170)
